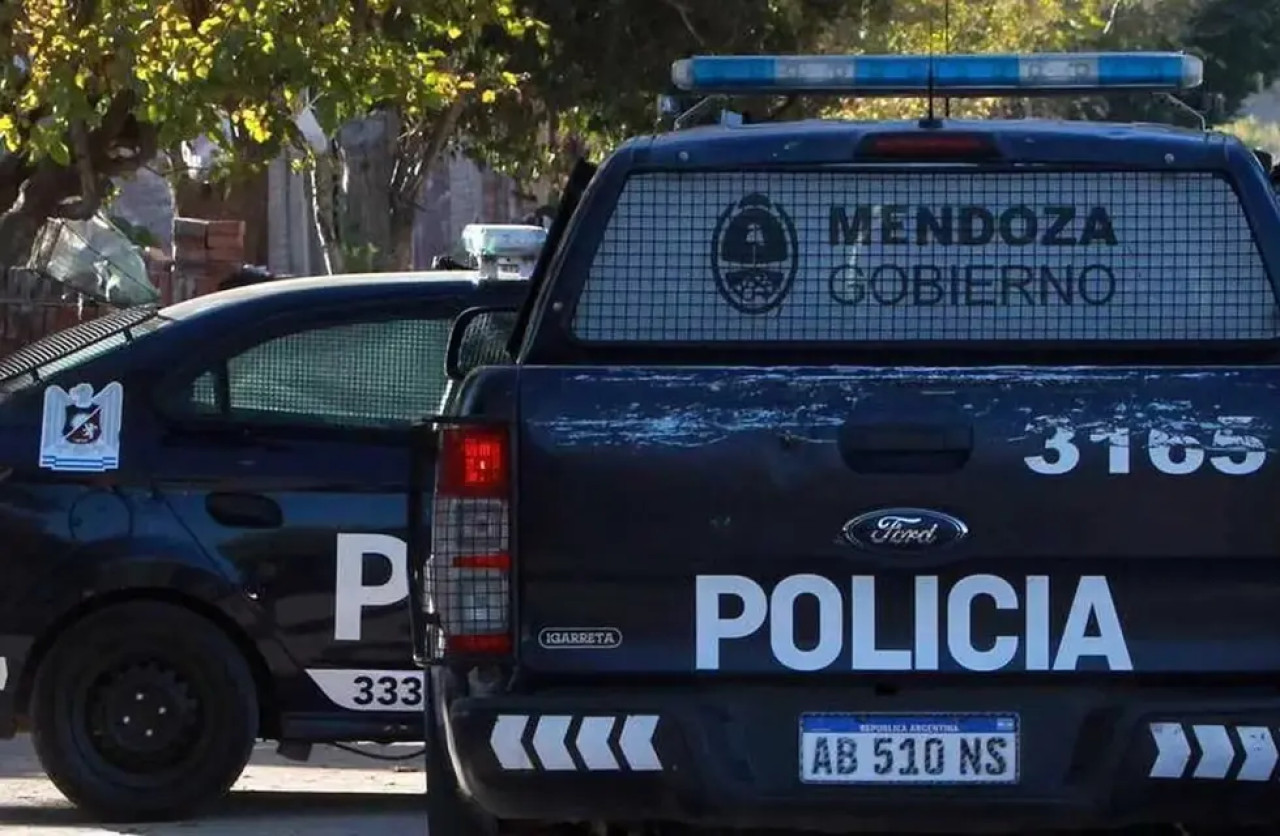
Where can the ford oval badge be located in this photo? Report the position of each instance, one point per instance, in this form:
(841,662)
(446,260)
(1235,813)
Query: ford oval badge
(904,530)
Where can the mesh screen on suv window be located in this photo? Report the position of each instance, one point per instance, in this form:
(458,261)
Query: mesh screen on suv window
(362,374)
(926,256)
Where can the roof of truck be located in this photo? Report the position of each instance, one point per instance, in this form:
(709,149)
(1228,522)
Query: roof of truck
(828,141)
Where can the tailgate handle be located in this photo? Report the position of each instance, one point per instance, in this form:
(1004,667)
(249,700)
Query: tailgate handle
(905,447)
(907,438)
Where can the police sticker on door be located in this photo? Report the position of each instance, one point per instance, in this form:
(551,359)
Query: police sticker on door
(902,749)
(80,430)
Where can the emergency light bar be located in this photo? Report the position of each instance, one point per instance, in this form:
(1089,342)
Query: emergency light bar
(943,75)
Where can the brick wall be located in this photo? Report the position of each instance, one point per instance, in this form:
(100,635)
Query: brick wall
(32,306)
(205,253)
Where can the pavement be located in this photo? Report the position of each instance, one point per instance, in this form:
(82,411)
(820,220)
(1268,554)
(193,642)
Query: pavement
(334,794)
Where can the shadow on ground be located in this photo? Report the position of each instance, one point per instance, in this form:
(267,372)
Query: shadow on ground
(336,794)
(297,807)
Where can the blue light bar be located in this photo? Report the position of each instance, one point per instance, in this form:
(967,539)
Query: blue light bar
(952,75)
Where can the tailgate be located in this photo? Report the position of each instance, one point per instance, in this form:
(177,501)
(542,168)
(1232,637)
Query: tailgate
(837,520)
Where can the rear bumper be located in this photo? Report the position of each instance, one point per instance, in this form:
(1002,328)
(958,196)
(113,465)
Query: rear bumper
(730,757)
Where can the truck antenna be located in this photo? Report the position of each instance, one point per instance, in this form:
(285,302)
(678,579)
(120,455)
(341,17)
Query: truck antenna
(930,120)
(946,47)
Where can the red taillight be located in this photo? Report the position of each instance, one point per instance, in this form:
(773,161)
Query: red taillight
(467,582)
(497,643)
(483,561)
(473,462)
(927,146)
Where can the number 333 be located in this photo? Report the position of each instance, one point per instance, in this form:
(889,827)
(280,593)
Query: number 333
(388,690)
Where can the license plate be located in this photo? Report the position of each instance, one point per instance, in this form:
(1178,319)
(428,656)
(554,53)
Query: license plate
(915,749)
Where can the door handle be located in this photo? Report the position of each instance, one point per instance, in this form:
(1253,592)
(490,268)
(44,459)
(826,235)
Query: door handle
(905,447)
(244,510)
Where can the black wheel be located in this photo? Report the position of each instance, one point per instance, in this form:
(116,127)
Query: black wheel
(144,711)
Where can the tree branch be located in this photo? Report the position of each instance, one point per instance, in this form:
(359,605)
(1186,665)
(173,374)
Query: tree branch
(417,150)
(90,193)
(686,17)
(14,170)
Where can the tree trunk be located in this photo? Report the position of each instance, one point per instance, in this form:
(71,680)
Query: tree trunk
(36,195)
(402,222)
(384,166)
(31,194)
(18,231)
(417,149)
(324,195)
(368,158)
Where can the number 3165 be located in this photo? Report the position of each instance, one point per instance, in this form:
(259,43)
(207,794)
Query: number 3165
(1169,451)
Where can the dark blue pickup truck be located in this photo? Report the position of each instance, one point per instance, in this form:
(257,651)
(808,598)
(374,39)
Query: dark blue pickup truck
(874,477)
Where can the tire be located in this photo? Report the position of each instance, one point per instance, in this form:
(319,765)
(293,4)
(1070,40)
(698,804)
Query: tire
(144,711)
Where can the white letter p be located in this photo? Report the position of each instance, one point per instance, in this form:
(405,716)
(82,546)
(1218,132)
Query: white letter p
(711,628)
(351,596)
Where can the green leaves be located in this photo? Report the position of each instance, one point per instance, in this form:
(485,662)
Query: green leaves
(251,61)
(1256,134)
(993,26)
(587,75)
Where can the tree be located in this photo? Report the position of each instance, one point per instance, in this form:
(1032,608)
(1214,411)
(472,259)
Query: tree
(593,75)
(578,95)
(91,89)
(1240,43)
(1256,134)
(1238,40)
(992,26)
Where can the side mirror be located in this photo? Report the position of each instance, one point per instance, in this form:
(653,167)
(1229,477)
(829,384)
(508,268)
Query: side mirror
(479,338)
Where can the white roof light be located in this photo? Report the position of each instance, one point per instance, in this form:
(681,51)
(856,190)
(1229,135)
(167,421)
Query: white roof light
(504,250)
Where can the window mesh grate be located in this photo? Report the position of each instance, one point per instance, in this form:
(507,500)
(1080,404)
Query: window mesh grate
(364,374)
(918,256)
(485,341)
(467,583)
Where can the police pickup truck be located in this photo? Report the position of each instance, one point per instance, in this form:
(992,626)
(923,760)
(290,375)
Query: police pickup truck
(875,477)
(203,514)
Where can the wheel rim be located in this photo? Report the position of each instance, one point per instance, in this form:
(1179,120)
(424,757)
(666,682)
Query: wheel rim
(140,718)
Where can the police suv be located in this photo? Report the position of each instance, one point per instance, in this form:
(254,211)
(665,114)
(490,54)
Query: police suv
(203,514)
(874,476)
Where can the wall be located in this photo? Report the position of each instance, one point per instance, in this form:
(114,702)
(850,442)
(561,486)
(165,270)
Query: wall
(145,199)
(457,192)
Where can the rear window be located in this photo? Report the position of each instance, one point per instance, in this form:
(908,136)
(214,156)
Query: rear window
(70,347)
(926,256)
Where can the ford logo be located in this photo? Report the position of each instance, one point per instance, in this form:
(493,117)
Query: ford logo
(904,530)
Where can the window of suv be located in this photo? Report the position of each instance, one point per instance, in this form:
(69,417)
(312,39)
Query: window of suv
(385,374)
